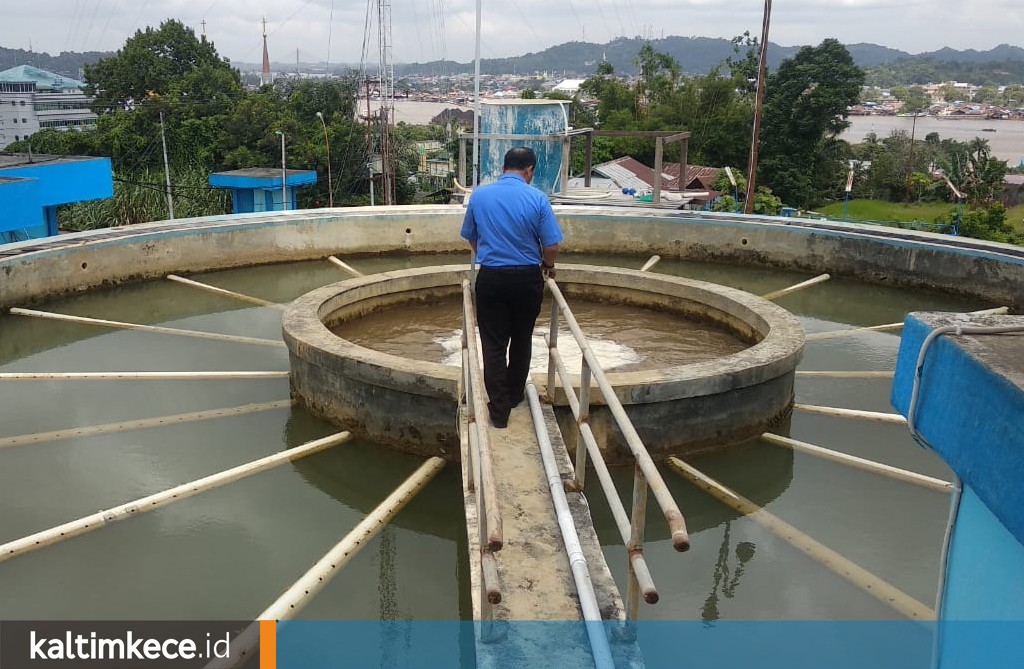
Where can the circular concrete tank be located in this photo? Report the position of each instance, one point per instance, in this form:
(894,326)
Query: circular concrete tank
(411,404)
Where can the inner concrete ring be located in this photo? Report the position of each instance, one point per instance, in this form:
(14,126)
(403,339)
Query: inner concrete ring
(411,404)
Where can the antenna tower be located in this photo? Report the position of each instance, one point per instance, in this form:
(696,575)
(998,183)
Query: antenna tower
(386,73)
(265,76)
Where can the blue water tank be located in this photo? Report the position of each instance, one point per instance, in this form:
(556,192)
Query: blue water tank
(523,117)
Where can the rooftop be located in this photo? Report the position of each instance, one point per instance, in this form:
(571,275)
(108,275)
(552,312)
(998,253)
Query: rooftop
(25,160)
(42,78)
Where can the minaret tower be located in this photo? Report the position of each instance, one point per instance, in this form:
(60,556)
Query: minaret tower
(265,76)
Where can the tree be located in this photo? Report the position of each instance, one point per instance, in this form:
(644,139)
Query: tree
(159,61)
(915,100)
(805,109)
(989,223)
(743,64)
(951,93)
(659,74)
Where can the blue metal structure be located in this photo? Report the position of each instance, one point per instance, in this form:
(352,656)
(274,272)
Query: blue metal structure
(964,398)
(32,187)
(523,117)
(257,189)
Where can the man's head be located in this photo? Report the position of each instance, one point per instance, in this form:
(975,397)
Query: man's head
(521,160)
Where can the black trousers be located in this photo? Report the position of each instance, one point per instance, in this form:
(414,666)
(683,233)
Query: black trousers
(507,304)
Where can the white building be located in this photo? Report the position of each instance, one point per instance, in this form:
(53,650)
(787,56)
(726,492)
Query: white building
(32,99)
(569,86)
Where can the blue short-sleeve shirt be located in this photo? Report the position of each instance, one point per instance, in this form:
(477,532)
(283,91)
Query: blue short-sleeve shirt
(510,221)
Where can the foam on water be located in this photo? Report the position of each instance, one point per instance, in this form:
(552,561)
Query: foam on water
(611,354)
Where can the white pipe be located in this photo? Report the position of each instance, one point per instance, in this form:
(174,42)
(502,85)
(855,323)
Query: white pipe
(574,550)
(887,327)
(774,295)
(651,262)
(877,416)
(159,421)
(303,590)
(148,503)
(859,463)
(848,375)
(830,334)
(345,266)
(18,311)
(669,508)
(138,376)
(224,291)
(476,98)
(611,494)
(873,585)
(295,598)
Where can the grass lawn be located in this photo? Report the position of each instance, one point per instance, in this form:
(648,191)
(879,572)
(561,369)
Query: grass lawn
(880,210)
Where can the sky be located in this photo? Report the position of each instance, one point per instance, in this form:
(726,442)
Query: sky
(423,30)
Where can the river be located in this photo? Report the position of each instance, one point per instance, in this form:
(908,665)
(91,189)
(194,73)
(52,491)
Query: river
(1007,142)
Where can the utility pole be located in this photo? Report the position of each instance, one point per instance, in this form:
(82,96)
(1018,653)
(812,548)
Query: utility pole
(748,206)
(476,98)
(167,169)
(369,166)
(284,175)
(327,143)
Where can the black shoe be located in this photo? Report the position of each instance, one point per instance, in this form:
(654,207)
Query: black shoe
(498,420)
(517,401)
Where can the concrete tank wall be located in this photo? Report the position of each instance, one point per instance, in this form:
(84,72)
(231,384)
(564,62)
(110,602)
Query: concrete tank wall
(411,404)
(39,269)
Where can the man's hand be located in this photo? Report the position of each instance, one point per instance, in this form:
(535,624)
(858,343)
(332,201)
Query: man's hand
(548,272)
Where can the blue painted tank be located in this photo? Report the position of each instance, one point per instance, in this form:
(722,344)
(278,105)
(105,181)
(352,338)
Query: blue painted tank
(523,117)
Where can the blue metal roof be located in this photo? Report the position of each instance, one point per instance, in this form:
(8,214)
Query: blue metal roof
(42,78)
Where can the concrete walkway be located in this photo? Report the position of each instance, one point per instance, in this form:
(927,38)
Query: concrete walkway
(536,582)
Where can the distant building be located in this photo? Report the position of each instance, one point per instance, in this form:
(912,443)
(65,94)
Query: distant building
(32,99)
(33,187)
(259,189)
(569,86)
(1013,189)
(632,175)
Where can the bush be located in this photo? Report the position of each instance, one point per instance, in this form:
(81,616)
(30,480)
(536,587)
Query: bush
(990,224)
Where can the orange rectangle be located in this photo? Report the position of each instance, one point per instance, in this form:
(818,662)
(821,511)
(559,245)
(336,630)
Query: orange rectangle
(268,644)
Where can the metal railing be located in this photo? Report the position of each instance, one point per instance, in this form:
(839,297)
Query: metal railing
(480,468)
(645,474)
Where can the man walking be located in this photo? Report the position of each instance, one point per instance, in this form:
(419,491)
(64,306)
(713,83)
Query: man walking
(513,230)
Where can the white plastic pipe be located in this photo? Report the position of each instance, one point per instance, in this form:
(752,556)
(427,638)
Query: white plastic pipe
(295,598)
(570,538)
(138,376)
(159,421)
(223,291)
(873,585)
(651,262)
(877,416)
(303,590)
(888,327)
(669,508)
(344,265)
(148,503)
(774,295)
(859,463)
(848,374)
(18,311)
